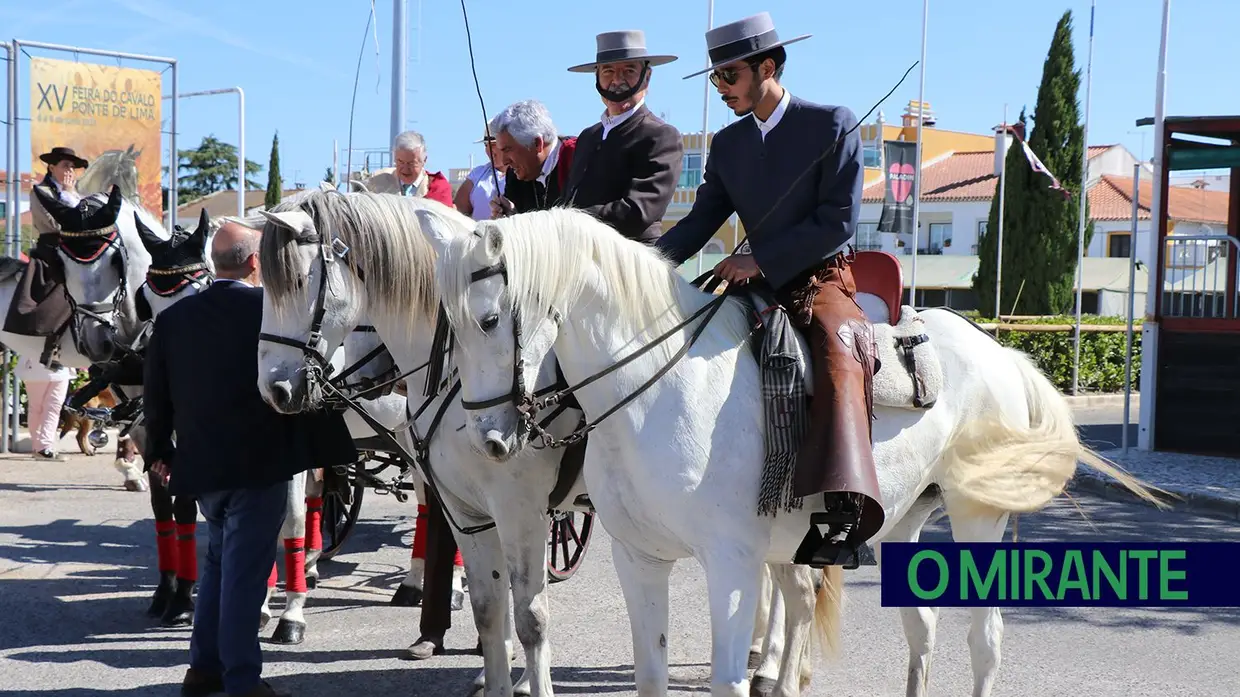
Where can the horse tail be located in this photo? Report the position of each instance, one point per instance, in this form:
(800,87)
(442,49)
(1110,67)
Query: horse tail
(997,463)
(827,605)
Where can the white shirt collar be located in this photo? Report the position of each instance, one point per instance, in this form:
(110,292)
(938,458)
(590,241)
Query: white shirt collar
(549,164)
(767,126)
(609,122)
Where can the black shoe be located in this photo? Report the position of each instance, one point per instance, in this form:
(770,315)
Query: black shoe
(424,648)
(200,684)
(836,548)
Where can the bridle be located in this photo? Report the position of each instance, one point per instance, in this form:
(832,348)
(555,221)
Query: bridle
(109,236)
(560,394)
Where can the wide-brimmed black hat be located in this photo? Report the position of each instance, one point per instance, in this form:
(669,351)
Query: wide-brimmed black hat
(59,153)
(619,46)
(741,39)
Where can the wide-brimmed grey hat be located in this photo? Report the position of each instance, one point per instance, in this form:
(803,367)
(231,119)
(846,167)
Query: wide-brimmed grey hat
(741,39)
(618,46)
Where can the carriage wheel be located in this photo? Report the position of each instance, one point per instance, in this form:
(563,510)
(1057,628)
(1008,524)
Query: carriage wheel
(569,541)
(339,518)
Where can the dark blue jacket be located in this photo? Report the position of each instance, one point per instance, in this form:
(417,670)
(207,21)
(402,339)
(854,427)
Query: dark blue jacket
(747,176)
(201,382)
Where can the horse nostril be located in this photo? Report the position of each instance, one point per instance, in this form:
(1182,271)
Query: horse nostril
(282,393)
(495,444)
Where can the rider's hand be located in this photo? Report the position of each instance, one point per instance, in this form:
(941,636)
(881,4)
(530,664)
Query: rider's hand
(737,268)
(161,470)
(501,207)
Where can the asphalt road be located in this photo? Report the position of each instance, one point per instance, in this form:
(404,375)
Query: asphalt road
(76,559)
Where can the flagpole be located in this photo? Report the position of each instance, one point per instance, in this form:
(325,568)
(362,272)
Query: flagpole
(1002,192)
(921,117)
(1080,242)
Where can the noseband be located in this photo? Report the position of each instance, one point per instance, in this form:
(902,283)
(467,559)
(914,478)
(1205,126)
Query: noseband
(107,236)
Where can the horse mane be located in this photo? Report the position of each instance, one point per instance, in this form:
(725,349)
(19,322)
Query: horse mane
(548,256)
(384,240)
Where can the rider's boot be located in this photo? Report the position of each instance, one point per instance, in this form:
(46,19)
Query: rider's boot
(836,457)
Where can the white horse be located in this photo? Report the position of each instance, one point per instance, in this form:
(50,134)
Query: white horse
(675,472)
(388,274)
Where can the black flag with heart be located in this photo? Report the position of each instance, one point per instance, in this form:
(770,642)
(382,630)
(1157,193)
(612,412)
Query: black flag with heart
(901,176)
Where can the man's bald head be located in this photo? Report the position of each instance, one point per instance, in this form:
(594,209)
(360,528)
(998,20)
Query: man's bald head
(234,252)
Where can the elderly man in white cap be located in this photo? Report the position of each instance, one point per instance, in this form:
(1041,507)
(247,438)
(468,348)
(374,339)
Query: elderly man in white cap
(628,164)
(793,174)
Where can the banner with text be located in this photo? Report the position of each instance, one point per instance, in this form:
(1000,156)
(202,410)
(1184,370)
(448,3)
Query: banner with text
(110,116)
(901,176)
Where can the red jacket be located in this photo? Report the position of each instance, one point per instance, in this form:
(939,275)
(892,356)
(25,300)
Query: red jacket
(438,188)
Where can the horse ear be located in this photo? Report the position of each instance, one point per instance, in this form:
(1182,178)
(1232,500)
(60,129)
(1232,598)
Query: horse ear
(294,221)
(324,186)
(53,205)
(199,237)
(149,239)
(113,207)
(437,229)
(491,248)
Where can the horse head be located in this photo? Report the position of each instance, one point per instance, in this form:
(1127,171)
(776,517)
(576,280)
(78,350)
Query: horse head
(179,266)
(104,262)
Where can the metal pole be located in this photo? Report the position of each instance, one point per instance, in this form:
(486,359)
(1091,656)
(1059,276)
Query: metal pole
(1149,329)
(1132,283)
(11,204)
(921,117)
(710,23)
(335,162)
(1080,235)
(174,165)
(240,135)
(400,57)
(12,397)
(1002,196)
(96,52)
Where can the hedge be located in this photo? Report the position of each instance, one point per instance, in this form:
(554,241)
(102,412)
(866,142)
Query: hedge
(1102,353)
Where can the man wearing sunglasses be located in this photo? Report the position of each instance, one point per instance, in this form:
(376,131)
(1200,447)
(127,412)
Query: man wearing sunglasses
(628,163)
(793,174)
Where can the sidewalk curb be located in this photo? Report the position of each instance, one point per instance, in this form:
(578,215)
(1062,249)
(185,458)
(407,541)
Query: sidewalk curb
(1101,401)
(1193,502)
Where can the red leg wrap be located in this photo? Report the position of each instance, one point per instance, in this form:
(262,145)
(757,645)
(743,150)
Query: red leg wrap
(458,561)
(166,544)
(187,552)
(295,565)
(271,580)
(314,523)
(419,534)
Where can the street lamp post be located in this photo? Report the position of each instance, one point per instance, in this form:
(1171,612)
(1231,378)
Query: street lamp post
(240,139)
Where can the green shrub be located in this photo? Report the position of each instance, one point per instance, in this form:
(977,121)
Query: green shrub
(1102,353)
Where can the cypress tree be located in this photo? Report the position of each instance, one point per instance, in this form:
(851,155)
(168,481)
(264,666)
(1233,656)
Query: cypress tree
(274,185)
(1040,231)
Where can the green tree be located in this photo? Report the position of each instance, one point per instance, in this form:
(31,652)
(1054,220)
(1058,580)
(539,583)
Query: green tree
(274,185)
(1040,223)
(330,176)
(209,168)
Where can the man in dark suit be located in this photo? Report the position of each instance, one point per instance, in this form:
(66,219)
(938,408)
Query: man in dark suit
(626,166)
(232,451)
(537,158)
(793,174)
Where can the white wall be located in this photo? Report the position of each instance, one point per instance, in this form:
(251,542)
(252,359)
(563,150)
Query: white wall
(962,215)
(1117,161)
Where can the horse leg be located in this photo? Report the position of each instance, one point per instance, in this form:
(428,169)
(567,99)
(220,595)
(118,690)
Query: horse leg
(524,539)
(645,584)
(180,610)
(488,596)
(732,584)
(291,629)
(919,623)
(762,618)
(799,587)
(166,547)
(314,529)
(264,613)
(126,464)
(409,593)
(774,628)
(986,628)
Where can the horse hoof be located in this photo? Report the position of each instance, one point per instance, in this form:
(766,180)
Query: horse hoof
(289,632)
(755,660)
(761,686)
(522,688)
(135,485)
(458,601)
(407,596)
(263,618)
(312,582)
(163,594)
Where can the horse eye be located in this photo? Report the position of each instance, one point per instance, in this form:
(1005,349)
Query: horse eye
(490,322)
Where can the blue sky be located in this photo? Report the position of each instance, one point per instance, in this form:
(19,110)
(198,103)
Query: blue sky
(296,62)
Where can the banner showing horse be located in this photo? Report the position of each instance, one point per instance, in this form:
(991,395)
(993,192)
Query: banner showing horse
(109,115)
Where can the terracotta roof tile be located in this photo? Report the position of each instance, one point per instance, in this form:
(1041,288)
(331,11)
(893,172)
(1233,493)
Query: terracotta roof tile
(1111,199)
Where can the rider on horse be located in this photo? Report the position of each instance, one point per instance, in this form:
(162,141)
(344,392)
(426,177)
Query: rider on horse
(793,173)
